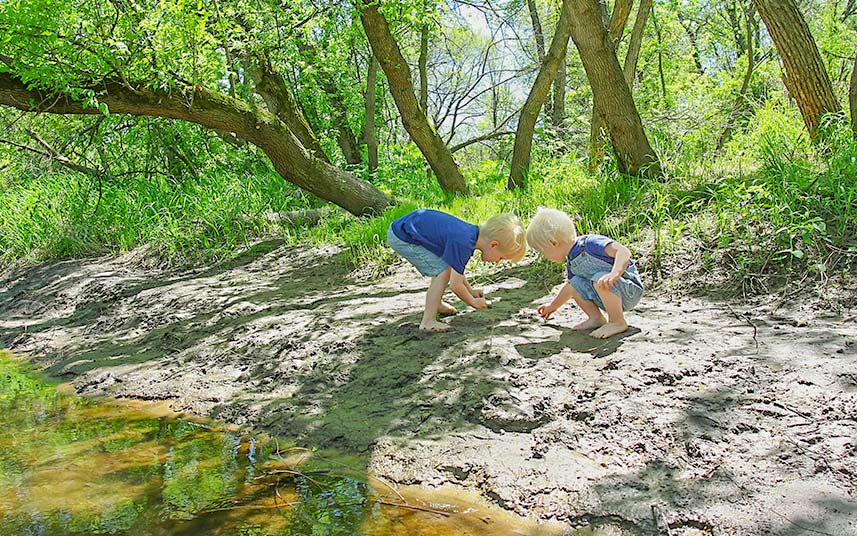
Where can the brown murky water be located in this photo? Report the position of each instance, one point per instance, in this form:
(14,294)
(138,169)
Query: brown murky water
(70,465)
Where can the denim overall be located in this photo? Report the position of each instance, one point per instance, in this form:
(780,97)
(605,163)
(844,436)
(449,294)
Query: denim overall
(584,270)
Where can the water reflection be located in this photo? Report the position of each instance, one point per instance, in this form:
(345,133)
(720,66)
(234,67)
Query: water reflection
(76,466)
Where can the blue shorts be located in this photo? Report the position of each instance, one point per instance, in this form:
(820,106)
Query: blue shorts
(628,290)
(426,262)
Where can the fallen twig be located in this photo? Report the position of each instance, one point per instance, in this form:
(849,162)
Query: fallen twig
(745,317)
(410,507)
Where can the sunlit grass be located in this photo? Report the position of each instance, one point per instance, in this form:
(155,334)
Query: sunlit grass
(773,202)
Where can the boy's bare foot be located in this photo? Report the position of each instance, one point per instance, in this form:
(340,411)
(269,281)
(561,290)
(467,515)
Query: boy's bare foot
(609,329)
(446,309)
(434,327)
(590,323)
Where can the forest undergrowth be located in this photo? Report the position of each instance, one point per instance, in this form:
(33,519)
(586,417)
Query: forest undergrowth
(770,209)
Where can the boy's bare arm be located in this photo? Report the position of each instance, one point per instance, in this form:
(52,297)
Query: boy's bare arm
(460,287)
(476,293)
(621,258)
(565,294)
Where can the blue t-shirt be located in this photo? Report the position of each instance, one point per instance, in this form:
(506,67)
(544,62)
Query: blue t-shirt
(448,237)
(593,245)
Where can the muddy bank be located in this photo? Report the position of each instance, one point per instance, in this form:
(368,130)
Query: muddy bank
(722,417)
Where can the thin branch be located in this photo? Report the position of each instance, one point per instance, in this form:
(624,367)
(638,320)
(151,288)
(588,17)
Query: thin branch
(484,137)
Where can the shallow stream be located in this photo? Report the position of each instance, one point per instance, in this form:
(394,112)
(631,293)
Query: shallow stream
(72,465)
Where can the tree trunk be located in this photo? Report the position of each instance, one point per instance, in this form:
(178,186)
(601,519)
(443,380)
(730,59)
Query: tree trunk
(279,100)
(213,110)
(537,30)
(619,18)
(852,97)
(423,68)
(414,119)
(539,37)
(611,93)
(346,139)
(630,67)
(616,25)
(804,74)
(370,137)
(538,93)
(558,112)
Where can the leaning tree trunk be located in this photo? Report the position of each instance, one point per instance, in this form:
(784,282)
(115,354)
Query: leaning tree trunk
(852,97)
(530,112)
(616,25)
(805,76)
(611,93)
(414,119)
(271,86)
(213,110)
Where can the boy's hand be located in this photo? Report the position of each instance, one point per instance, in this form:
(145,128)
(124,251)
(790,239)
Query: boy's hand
(478,293)
(606,281)
(479,303)
(545,311)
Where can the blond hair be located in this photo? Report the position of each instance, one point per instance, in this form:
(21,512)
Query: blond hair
(507,230)
(550,225)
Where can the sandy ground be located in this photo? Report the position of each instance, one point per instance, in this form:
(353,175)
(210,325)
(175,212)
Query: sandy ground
(721,417)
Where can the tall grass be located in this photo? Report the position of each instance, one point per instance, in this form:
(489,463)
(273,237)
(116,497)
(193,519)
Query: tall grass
(773,204)
(59,215)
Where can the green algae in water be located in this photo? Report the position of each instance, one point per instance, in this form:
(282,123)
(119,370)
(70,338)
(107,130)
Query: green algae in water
(70,465)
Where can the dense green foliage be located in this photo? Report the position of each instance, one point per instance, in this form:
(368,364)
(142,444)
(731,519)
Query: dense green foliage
(767,202)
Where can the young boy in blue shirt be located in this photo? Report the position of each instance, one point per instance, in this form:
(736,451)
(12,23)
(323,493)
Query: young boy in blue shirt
(601,274)
(439,246)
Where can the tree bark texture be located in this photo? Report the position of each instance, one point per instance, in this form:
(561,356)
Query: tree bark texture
(415,121)
(616,27)
(521,153)
(619,18)
(199,105)
(804,74)
(612,95)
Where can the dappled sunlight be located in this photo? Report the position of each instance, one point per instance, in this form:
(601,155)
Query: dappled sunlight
(692,403)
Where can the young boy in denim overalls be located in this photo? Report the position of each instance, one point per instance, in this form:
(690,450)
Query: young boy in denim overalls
(601,274)
(439,246)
